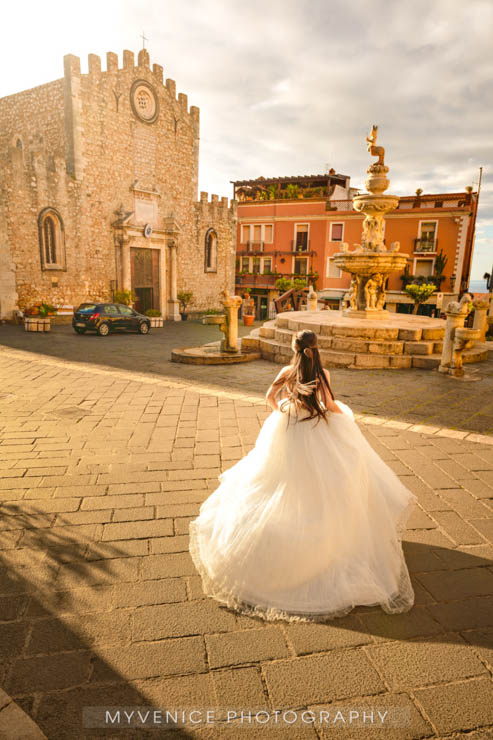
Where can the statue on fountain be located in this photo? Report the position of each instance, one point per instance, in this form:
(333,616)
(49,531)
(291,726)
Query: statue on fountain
(353,292)
(371,262)
(371,293)
(375,151)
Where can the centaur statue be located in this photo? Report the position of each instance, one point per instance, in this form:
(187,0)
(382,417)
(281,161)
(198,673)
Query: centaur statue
(375,151)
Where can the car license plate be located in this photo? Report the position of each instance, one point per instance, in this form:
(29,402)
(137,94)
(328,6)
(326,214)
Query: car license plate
(79,323)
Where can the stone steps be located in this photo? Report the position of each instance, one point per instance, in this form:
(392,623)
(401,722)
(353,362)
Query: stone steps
(356,347)
(275,351)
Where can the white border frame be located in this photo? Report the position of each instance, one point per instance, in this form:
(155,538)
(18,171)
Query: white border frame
(428,221)
(327,270)
(301,223)
(304,256)
(262,232)
(424,259)
(337,223)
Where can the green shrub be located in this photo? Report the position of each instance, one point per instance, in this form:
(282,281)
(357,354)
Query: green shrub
(184,298)
(420,293)
(126,297)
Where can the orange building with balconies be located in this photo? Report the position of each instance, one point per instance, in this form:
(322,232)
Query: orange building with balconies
(291,227)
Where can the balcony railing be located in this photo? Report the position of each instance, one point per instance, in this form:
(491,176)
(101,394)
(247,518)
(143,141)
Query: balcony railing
(425,245)
(256,279)
(304,247)
(255,246)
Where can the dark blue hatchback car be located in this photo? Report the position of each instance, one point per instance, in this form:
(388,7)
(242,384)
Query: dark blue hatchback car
(104,318)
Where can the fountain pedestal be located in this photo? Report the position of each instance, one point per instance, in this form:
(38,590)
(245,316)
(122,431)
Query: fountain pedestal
(370,263)
(215,353)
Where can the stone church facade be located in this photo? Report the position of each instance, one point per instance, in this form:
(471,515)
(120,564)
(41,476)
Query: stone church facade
(99,193)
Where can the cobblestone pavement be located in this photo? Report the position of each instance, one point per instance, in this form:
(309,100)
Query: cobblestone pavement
(417,396)
(101,471)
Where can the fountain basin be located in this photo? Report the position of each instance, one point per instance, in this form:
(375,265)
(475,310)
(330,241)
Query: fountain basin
(371,204)
(211,354)
(370,263)
(213,318)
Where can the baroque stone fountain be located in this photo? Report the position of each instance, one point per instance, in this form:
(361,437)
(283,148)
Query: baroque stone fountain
(352,338)
(370,263)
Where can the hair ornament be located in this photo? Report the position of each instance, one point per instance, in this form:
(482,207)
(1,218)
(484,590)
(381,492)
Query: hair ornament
(308,352)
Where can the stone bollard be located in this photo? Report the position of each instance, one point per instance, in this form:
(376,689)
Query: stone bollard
(229,325)
(463,339)
(481,306)
(311,300)
(456,316)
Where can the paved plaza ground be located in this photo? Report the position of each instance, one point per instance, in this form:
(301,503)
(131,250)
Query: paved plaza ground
(107,450)
(417,396)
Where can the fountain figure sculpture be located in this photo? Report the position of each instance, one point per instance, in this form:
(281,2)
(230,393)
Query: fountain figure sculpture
(370,263)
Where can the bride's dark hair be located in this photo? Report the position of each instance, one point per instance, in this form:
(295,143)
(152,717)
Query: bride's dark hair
(306,375)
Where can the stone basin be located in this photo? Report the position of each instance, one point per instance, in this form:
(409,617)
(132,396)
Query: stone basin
(368,203)
(213,319)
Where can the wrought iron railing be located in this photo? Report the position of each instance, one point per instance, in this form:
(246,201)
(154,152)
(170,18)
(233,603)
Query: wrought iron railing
(302,247)
(257,279)
(425,245)
(255,246)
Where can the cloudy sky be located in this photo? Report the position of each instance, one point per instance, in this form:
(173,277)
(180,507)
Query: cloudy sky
(290,86)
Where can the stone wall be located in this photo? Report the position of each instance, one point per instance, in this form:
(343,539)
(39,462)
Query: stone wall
(86,151)
(213,214)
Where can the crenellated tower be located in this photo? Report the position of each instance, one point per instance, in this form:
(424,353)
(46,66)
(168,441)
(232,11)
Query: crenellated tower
(112,156)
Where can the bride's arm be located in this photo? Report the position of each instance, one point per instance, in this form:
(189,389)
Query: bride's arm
(329,404)
(273,390)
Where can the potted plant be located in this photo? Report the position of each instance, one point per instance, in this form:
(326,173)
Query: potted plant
(37,318)
(156,318)
(125,297)
(184,298)
(248,309)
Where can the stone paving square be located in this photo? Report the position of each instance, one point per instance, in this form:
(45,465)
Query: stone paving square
(101,470)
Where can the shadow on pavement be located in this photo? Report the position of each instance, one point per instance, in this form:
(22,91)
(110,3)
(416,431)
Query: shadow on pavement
(51,666)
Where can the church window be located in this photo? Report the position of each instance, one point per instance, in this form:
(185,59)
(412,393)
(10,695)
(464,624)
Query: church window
(19,144)
(144,101)
(211,251)
(51,240)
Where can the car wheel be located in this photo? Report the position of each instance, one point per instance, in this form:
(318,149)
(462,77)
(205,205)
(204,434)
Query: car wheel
(144,328)
(103,330)
(79,331)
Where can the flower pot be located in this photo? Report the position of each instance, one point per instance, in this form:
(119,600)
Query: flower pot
(248,319)
(35,323)
(156,322)
(184,316)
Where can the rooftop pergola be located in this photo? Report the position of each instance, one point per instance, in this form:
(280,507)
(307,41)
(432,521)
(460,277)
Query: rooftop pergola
(326,181)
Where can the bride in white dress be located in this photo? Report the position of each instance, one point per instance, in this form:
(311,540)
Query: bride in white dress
(308,525)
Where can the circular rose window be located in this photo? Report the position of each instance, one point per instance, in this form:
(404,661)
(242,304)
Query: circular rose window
(144,101)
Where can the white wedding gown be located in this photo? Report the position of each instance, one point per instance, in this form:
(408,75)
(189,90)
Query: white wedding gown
(307,526)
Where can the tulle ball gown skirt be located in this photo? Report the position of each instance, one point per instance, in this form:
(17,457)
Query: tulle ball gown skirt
(307,526)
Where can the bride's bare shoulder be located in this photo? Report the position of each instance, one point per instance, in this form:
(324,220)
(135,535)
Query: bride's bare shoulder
(281,374)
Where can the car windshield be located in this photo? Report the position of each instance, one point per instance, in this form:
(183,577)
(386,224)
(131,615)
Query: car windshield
(87,308)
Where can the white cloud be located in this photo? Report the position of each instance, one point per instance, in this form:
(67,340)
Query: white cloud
(287,86)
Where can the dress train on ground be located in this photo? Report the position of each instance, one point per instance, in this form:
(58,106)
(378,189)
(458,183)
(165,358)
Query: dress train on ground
(307,526)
